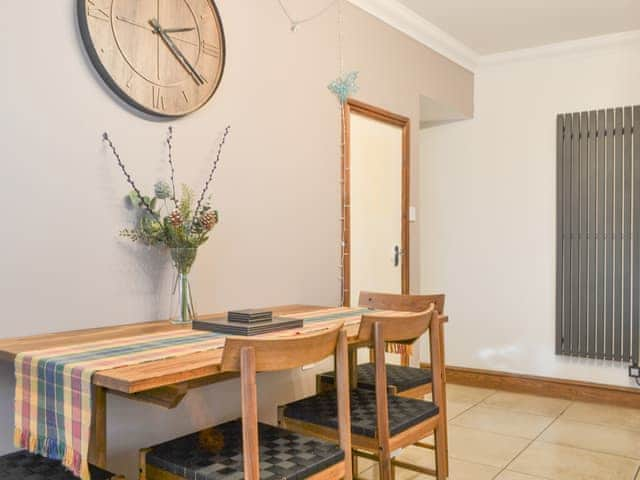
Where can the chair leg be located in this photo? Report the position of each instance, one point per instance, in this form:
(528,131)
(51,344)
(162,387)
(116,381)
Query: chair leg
(384,467)
(354,464)
(441,450)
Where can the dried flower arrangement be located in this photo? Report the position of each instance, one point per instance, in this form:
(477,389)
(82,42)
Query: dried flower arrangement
(182,224)
(165,219)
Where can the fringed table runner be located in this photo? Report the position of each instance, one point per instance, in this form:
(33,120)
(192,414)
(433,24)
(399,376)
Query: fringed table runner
(351,316)
(53,403)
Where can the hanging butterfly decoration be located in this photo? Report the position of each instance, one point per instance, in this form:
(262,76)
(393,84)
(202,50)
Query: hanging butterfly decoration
(344,87)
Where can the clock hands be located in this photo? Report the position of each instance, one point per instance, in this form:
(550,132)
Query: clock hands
(176,51)
(134,23)
(166,30)
(176,30)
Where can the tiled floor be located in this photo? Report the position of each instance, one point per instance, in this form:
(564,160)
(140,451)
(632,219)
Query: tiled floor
(509,436)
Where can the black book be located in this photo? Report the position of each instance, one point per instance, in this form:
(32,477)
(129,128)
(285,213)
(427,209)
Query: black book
(249,315)
(247,329)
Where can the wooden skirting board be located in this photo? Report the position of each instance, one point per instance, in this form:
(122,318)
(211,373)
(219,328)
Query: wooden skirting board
(544,386)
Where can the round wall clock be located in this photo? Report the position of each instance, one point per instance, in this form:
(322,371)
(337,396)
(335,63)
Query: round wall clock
(164,57)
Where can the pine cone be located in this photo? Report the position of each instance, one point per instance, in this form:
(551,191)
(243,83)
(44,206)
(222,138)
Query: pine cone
(208,220)
(175,218)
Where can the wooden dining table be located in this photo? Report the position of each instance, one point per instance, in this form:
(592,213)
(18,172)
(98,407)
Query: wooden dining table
(161,382)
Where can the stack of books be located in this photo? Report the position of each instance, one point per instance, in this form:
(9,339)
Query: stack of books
(249,315)
(247,323)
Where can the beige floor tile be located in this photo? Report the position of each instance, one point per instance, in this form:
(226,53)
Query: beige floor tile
(464,394)
(458,469)
(372,474)
(365,464)
(481,447)
(599,438)
(461,470)
(508,475)
(502,421)
(609,415)
(559,462)
(533,404)
(454,409)
(418,456)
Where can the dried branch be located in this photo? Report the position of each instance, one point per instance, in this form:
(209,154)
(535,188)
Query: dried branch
(173,172)
(146,205)
(212,172)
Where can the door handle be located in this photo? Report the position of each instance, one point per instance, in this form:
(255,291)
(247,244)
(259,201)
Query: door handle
(396,255)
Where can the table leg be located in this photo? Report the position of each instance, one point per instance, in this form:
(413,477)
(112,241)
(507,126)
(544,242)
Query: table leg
(98,441)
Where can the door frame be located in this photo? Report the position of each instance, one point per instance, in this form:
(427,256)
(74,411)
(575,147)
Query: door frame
(385,116)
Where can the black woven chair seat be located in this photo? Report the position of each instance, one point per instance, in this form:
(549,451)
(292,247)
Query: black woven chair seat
(403,378)
(322,410)
(216,453)
(27,466)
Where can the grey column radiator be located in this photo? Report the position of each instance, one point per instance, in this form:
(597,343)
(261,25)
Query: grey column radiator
(598,234)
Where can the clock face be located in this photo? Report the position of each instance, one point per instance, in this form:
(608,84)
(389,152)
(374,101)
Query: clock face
(164,57)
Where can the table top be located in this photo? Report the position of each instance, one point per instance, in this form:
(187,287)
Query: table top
(160,373)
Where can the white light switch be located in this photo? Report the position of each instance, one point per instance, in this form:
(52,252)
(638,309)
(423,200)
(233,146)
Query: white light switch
(412,214)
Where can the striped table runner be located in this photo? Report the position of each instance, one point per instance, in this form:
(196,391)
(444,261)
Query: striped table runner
(351,316)
(53,401)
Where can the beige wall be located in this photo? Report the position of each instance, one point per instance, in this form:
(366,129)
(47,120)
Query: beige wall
(63,265)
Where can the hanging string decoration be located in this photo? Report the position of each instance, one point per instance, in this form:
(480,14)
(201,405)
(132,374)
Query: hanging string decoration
(345,86)
(296,22)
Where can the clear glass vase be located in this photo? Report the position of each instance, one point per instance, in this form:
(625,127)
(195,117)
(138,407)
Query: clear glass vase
(182,309)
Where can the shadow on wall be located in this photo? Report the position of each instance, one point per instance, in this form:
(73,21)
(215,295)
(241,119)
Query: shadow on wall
(7,389)
(434,113)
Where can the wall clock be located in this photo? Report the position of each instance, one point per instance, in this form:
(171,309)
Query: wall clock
(164,57)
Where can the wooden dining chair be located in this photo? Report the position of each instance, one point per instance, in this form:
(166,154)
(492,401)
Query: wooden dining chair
(246,448)
(23,465)
(403,379)
(382,423)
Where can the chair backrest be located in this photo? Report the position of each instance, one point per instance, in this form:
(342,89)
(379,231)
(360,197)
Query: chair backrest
(401,303)
(378,329)
(251,355)
(398,328)
(282,353)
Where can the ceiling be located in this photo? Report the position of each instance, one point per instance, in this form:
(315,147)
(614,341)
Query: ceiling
(493,26)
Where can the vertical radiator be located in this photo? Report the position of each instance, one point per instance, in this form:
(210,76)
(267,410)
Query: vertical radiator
(598,234)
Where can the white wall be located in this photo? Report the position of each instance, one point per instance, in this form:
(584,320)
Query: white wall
(488,209)
(62,264)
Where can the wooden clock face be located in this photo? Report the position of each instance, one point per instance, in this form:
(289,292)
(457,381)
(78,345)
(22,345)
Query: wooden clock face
(164,57)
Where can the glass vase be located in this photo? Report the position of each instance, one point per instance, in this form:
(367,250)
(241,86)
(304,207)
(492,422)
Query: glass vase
(182,309)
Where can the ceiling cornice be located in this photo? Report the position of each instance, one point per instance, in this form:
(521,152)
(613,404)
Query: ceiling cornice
(417,27)
(561,48)
(409,22)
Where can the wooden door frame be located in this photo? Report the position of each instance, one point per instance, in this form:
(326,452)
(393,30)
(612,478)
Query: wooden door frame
(385,116)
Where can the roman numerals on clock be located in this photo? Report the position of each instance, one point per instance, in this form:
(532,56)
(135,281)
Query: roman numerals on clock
(210,49)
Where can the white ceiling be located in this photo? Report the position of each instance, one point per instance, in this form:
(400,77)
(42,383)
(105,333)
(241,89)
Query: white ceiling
(492,26)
